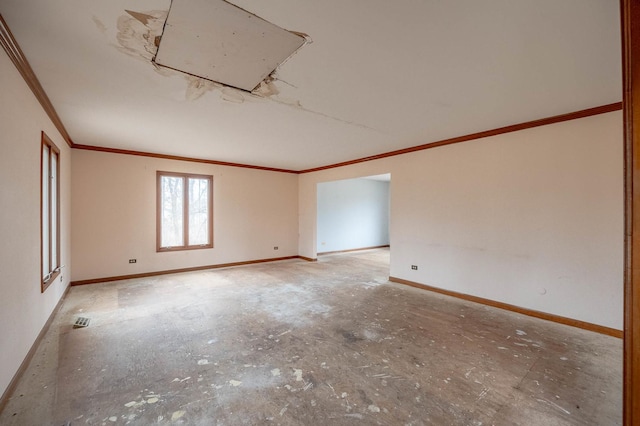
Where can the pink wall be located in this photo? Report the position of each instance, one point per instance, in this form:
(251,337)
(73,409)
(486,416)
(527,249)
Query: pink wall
(114,215)
(24,310)
(531,218)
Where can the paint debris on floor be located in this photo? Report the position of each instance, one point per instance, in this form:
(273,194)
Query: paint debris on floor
(300,343)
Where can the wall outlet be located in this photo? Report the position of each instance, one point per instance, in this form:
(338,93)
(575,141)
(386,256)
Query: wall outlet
(414,267)
(275,247)
(133,260)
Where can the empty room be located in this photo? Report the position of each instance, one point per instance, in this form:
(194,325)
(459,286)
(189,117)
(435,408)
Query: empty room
(305,213)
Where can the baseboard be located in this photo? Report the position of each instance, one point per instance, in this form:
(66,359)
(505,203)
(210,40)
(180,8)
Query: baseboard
(176,271)
(308,259)
(529,312)
(27,359)
(350,250)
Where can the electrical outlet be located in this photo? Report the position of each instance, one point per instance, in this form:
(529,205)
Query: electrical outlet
(275,247)
(414,267)
(133,260)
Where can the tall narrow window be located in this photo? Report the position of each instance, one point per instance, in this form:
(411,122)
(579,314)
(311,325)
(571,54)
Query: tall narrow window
(184,212)
(50,211)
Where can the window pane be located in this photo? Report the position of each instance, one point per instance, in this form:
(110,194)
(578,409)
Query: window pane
(198,211)
(54,211)
(172,193)
(45,211)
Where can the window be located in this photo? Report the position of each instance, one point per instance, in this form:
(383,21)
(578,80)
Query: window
(184,212)
(50,211)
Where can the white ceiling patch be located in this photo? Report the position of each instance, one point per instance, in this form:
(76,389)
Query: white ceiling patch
(218,41)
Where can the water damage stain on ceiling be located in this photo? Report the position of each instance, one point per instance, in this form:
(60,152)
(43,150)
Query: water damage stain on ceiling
(214,45)
(218,41)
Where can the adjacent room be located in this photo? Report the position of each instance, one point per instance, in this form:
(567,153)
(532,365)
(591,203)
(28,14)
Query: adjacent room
(353,214)
(305,213)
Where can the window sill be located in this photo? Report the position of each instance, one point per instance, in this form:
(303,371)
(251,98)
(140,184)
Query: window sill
(165,249)
(46,283)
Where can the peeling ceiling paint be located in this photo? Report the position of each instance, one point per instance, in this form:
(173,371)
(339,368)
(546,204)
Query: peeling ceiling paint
(379,76)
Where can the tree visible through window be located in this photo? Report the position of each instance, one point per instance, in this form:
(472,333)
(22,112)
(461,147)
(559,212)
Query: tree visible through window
(50,211)
(185,211)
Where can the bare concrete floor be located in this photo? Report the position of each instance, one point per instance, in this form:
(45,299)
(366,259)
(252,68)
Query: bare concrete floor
(299,343)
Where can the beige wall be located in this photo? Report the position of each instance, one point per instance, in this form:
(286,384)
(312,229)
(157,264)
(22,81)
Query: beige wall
(24,310)
(114,215)
(531,218)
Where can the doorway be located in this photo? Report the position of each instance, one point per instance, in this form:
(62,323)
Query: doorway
(353,214)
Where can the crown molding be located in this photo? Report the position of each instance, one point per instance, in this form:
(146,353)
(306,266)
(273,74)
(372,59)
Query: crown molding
(473,136)
(10,45)
(179,158)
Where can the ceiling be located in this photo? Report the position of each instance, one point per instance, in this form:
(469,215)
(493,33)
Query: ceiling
(374,76)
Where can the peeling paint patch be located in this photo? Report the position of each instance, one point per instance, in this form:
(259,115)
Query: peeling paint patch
(298,374)
(466,375)
(177,414)
(135,404)
(196,87)
(284,410)
(142,17)
(232,95)
(266,88)
(137,32)
(355,416)
(483,393)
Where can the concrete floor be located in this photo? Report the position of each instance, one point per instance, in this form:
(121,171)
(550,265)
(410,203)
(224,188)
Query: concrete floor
(299,343)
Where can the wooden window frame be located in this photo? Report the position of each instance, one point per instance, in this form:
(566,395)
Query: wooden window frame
(185,212)
(53,269)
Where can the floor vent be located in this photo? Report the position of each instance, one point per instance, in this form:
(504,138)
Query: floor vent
(81,322)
